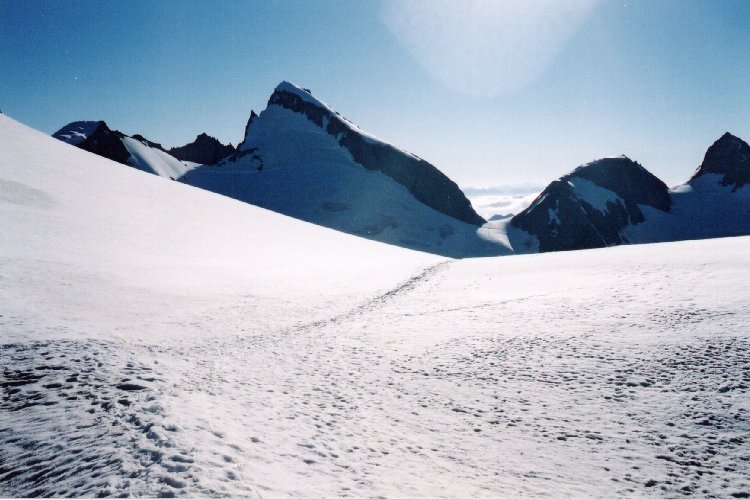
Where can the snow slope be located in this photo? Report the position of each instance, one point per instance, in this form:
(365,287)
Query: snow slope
(701,208)
(160,340)
(155,161)
(298,158)
(136,151)
(146,240)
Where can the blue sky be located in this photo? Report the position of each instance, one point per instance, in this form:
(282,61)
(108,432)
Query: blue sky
(656,80)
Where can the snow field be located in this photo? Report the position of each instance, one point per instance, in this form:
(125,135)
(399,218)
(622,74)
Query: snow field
(100,245)
(159,340)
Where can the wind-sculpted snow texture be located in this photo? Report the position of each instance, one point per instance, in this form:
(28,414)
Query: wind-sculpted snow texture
(249,354)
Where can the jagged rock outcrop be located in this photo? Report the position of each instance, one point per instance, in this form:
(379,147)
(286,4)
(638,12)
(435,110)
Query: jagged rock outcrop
(135,151)
(301,158)
(95,137)
(146,142)
(204,149)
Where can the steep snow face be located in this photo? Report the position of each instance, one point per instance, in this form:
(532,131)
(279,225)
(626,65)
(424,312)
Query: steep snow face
(77,132)
(154,160)
(593,205)
(292,164)
(715,202)
(204,150)
(729,157)
(423,180)
(702,208)
(592,194)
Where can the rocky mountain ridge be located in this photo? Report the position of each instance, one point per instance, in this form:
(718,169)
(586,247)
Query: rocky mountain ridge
(204,149)
(616,201)
(301,158)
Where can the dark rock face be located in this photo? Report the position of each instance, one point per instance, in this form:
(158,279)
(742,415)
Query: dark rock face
(428,184)
(730,157)
(103,142)
(575,212)
(151,144)
(250,121)
(629,180)
(204,149)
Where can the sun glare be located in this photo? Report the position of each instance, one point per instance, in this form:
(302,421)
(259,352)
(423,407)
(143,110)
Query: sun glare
(483,47)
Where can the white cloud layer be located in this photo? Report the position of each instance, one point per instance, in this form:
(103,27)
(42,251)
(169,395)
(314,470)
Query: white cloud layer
(488,205)
(485,47)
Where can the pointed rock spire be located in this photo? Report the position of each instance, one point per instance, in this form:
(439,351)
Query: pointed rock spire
(729,156)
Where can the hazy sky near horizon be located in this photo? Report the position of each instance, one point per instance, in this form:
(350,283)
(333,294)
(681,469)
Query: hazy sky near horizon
(493,93)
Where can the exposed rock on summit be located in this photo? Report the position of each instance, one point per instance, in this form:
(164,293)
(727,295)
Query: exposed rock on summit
(204,149)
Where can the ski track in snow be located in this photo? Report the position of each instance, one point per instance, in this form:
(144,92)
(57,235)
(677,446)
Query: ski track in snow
(526,395)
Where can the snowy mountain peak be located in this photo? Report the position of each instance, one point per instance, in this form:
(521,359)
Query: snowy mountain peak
(301,158)
(728,136)
(95,137)
(298,91)
(290,96)
(729,156)
(628,178)
(591,206)
(77,132)
(425,182)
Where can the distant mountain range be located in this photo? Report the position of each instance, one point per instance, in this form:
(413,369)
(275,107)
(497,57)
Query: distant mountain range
(138,152)
(301,158)
(615,200)
(204,149)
